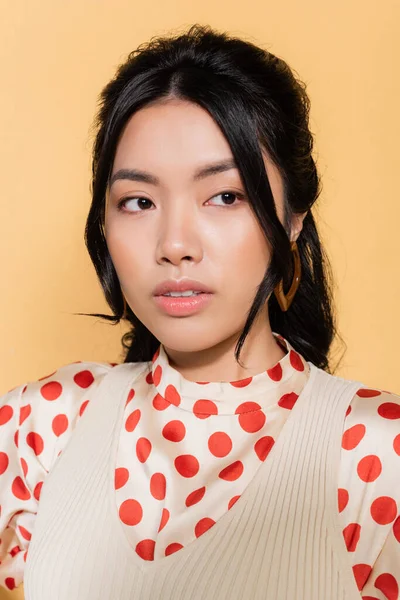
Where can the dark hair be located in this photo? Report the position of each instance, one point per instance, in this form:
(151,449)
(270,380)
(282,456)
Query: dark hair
(255,98)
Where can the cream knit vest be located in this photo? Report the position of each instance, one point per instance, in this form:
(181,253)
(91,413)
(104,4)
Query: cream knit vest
(281,540)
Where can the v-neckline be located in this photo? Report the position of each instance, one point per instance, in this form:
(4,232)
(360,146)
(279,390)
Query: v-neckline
(230,515)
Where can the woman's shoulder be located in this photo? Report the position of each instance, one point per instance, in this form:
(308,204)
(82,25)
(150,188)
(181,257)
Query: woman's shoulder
(368,403)
(372,418)
(374,406)
(39,416)
(62,391)
(372,427)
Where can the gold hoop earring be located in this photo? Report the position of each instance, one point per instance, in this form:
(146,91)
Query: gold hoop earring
(285,301)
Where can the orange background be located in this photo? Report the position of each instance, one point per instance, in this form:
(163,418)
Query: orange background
(55,58)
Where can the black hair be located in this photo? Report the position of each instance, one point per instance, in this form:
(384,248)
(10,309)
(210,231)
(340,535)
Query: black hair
(257,101)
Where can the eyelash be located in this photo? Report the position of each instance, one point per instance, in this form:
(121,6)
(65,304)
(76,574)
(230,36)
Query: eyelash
(122,202)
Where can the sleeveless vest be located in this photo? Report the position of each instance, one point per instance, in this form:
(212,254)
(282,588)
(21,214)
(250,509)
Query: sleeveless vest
(281,540)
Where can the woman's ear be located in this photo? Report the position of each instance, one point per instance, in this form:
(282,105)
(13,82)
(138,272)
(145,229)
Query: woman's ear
(297,225)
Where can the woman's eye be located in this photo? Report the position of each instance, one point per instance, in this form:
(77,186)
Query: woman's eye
(228,198)
(122,204)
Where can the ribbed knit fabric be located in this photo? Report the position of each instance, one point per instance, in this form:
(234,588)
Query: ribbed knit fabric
(280,540)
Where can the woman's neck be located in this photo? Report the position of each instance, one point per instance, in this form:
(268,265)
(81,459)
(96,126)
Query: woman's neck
(218,363)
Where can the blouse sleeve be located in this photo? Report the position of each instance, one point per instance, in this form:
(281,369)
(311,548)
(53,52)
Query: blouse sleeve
(36,421)
(369,492)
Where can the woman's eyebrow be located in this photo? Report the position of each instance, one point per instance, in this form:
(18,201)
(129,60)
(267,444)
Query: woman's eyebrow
(201,173)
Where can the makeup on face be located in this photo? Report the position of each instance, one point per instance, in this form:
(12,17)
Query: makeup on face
(182,306)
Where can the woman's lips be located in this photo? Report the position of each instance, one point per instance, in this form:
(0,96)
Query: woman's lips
(184,305)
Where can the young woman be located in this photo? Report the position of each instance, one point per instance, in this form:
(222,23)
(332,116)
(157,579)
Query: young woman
(222,458)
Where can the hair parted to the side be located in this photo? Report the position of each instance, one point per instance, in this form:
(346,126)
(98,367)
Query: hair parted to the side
(256,100)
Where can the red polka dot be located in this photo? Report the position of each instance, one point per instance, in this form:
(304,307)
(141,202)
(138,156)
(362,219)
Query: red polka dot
(174,431)
(35,441)
(60,424)
(16,437)
(143,449)
(158,485)
(343,498)
(288,400)
(24,413)
(51,390)
(396,529)
(383,510)
(149,378)
(203,525)
(37,490)
(195,497)
(263,446)
(164,518)
(351,535)
(145,549)
(171,548)
(232,501)
(157,375)
(275,373)
(348,411)
(296,361)
(25,533)
(369,598)
(387,584)
(121,477)
(3,462)
(219,444)
(396,444)
(171,395)
(132,420)
(6,413)
(19,489)
(130,396)
(367,393)
(251,417)
(187,465)
(353,436)
(24,466)
(389,410)
(204,408)
(14,551)
(156,354)
(159,403)
(10,583)
(83,406)
(130,512)
(361,574)
(84,379)
(369,468)
(241,383)
(232,471)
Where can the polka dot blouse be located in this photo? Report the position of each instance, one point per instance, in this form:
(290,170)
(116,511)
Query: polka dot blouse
(175,429)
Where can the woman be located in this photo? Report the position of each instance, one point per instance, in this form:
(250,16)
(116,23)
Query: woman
(221,458)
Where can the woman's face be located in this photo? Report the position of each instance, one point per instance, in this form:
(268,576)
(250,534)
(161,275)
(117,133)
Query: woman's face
(185,227)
